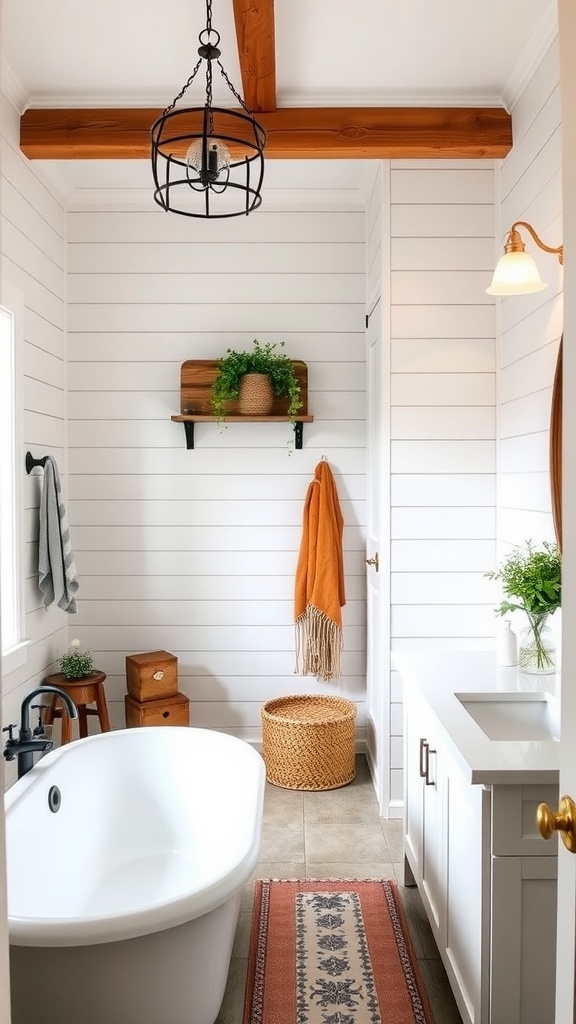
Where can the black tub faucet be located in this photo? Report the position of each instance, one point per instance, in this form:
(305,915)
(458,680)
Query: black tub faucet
(28,743)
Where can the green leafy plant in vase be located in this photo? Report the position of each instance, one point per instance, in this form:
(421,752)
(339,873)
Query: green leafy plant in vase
(76,663)
(532,582)
(235,368)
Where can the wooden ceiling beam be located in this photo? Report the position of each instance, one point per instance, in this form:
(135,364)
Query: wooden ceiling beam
(292,134)
(254,21)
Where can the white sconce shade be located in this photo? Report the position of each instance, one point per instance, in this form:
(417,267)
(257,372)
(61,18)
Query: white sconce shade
(516,274)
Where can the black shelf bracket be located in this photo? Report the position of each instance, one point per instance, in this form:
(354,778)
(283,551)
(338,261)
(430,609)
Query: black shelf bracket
(298,434)
(189,432)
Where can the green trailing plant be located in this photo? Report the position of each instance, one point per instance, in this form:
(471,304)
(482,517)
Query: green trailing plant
(532,582)
(76,663)
(263,358)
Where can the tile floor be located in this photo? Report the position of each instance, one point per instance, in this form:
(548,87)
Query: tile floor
(335,834)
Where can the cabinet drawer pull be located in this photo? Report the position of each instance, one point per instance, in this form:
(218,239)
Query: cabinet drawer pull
(423,759)
(429,781)
(425,751)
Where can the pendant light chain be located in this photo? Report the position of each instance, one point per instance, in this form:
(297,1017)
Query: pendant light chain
(231,87)
(209,67)
(212,51)
(208,31)
(182,90)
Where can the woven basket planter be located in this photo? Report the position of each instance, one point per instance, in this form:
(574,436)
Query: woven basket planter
(308,741)
(255,397)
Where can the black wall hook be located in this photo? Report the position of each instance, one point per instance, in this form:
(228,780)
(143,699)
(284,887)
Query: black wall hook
(31,462)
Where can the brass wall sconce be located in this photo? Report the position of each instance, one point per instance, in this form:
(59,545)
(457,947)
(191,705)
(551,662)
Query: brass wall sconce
(516,272)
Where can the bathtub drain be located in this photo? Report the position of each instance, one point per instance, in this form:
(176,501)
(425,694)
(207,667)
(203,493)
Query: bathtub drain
(54,799)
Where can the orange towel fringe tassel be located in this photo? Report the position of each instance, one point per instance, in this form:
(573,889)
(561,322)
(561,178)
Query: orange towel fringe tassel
(318,645)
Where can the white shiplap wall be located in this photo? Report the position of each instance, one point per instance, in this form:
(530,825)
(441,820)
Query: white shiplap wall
(443,422)
(33,260)
(440,414)
(530,186)
(442,404)
(195,551)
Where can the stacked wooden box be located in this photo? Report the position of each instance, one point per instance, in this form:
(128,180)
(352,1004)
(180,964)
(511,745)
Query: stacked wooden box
(153,697)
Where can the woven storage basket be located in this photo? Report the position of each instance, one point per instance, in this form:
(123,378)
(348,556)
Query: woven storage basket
(308,741)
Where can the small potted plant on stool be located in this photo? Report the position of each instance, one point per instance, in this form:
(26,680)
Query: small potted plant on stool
(76,664)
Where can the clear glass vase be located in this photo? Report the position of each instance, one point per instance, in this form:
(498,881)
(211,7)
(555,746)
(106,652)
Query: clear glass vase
(536,646)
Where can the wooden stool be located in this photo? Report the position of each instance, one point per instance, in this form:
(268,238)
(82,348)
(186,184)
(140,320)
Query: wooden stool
(89,690)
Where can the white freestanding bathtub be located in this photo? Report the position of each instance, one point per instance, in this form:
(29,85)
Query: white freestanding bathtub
(127,853)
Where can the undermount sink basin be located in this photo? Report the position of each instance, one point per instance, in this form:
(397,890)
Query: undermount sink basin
(514,716)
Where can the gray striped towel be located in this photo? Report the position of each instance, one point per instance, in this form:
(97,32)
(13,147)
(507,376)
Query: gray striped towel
(57,577)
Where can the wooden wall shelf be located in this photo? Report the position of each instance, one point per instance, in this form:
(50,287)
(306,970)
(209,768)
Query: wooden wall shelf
(196,376)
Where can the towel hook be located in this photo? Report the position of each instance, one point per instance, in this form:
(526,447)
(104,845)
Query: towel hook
(31,462)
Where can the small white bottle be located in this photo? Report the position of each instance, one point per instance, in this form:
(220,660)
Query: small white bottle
(508,646)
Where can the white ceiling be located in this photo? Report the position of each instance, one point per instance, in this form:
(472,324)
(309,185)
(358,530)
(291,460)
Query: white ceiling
(80,53)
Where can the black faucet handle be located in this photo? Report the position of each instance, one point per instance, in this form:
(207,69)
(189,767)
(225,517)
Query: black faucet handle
(11,743)
(39,729)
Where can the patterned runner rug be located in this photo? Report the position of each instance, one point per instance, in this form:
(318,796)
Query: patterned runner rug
(332,952)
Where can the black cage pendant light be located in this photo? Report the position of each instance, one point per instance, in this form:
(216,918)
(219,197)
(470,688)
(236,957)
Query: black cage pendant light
(208,161)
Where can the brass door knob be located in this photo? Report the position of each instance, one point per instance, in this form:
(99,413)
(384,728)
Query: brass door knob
(564,822)
(374,561)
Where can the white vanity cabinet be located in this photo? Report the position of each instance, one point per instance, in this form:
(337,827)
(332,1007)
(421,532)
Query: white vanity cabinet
(523,902)
(425,792)
(445,820)
(486,878)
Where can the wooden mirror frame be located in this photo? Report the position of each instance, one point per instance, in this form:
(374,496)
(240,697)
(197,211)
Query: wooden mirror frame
(556,449)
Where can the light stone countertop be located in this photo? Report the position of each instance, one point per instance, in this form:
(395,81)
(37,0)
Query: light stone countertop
(440,675)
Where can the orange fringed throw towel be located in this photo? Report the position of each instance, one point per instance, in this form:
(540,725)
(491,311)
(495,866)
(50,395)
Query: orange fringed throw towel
(319,592)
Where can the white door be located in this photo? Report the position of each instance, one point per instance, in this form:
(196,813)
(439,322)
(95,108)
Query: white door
(565,958)
(377,674)
(377,557)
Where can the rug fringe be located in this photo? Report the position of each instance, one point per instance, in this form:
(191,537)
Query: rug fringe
(331,881)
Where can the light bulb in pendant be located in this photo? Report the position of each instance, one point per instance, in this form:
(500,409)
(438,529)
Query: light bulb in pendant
(208,158)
